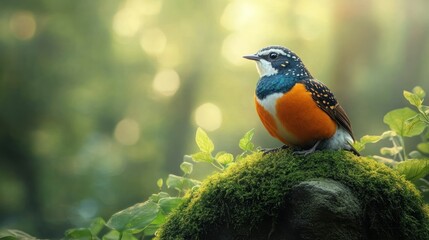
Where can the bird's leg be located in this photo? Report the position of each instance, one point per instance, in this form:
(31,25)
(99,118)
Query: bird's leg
(308,151)
(272,150)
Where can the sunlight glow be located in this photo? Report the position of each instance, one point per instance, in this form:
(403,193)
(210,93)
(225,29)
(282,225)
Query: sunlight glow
(233,48)
(166,82)
(245,20)
(153,41)
(23,25)
(127,132)
(238,13)
(312,19)
(126,22)
(171,57)
(208,116)
(145,7)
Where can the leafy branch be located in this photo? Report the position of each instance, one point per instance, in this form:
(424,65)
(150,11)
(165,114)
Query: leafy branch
(222,159)
(405,123)
(144,219)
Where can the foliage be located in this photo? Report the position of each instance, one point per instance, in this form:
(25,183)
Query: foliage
(405,123)
(220,160)
(144,219)
(10,234)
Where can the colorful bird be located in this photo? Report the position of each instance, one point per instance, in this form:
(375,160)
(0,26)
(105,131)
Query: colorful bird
(295,108)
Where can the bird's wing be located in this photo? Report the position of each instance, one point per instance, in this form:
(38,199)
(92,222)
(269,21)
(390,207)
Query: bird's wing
(326,101)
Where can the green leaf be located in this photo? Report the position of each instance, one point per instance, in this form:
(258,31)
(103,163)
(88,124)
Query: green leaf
(390,151)
(224,158)
(360,145)
(96,226)
(413,169)
(404,122)
(134,218)
(202,157)
(370,139)
(419,92)
(388,161)
(151,230)
(415,124)
(186,167)
(425,109)
(128,235)
(175,182)
(415,154)
(169,204)
(159,183)
(181,183)
(78,234)
(412,98)
(189,183)
(156,197)
(388,134)
(204,142)
(112,235)
(246,141)
(155,225)
(14,234)
(423,147)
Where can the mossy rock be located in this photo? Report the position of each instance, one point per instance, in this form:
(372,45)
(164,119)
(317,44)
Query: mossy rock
(249,199)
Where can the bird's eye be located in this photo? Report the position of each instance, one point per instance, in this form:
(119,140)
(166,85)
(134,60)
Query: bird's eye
(273,55)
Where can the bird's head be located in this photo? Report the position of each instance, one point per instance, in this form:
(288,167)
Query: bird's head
(275,60)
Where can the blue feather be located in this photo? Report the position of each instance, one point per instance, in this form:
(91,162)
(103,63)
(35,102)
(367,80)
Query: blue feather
(274,84)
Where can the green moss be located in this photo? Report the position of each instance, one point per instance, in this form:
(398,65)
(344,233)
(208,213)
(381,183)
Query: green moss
(256,187)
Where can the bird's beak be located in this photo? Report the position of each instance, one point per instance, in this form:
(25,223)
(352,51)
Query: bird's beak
(252,57)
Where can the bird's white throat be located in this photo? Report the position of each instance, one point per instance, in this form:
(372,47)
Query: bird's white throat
(265,68)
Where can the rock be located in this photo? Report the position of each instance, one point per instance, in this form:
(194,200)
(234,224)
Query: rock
(321,209)
(324,195)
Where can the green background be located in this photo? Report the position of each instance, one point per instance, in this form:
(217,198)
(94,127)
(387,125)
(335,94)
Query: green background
(99,99)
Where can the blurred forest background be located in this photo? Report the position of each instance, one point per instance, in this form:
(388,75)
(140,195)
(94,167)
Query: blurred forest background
(99,99)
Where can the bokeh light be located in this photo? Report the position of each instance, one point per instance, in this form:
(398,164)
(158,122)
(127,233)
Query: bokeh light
(208,116)
(233,48)
(239,14)
(166,82)
(153,41)
(171,56)
(23,25)
(127,132)
(242,19)
(126,22)
(146,7)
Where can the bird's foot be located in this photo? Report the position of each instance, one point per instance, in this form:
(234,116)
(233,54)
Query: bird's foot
(272,150)
(307,151)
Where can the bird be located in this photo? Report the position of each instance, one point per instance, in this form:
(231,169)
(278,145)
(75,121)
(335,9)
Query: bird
(296,108)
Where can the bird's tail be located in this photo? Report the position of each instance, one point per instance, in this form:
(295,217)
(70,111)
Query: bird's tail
(353,150)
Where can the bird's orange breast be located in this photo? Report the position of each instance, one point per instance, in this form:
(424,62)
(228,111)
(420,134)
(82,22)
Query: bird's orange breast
(301,121)
(301,116)
(268,121)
